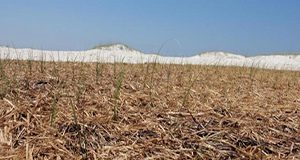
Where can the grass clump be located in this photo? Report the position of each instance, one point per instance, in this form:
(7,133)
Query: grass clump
(4,81)
(116,94)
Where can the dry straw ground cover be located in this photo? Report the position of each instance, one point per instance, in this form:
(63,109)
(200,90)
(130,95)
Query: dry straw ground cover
(51,110)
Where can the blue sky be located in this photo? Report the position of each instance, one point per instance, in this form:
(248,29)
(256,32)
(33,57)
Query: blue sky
(247,27)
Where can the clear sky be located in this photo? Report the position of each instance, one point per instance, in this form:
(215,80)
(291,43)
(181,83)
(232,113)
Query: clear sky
(247,27)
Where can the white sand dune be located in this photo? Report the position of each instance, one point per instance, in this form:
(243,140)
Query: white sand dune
(122,53)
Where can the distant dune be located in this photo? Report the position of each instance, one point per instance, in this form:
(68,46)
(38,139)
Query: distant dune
(123,53)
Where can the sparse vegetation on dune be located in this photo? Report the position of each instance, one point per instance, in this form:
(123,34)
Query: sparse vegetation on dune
(92,111)
(113,45)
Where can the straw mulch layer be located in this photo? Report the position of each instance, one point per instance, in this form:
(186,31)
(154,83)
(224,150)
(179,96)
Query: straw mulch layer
(76,111)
